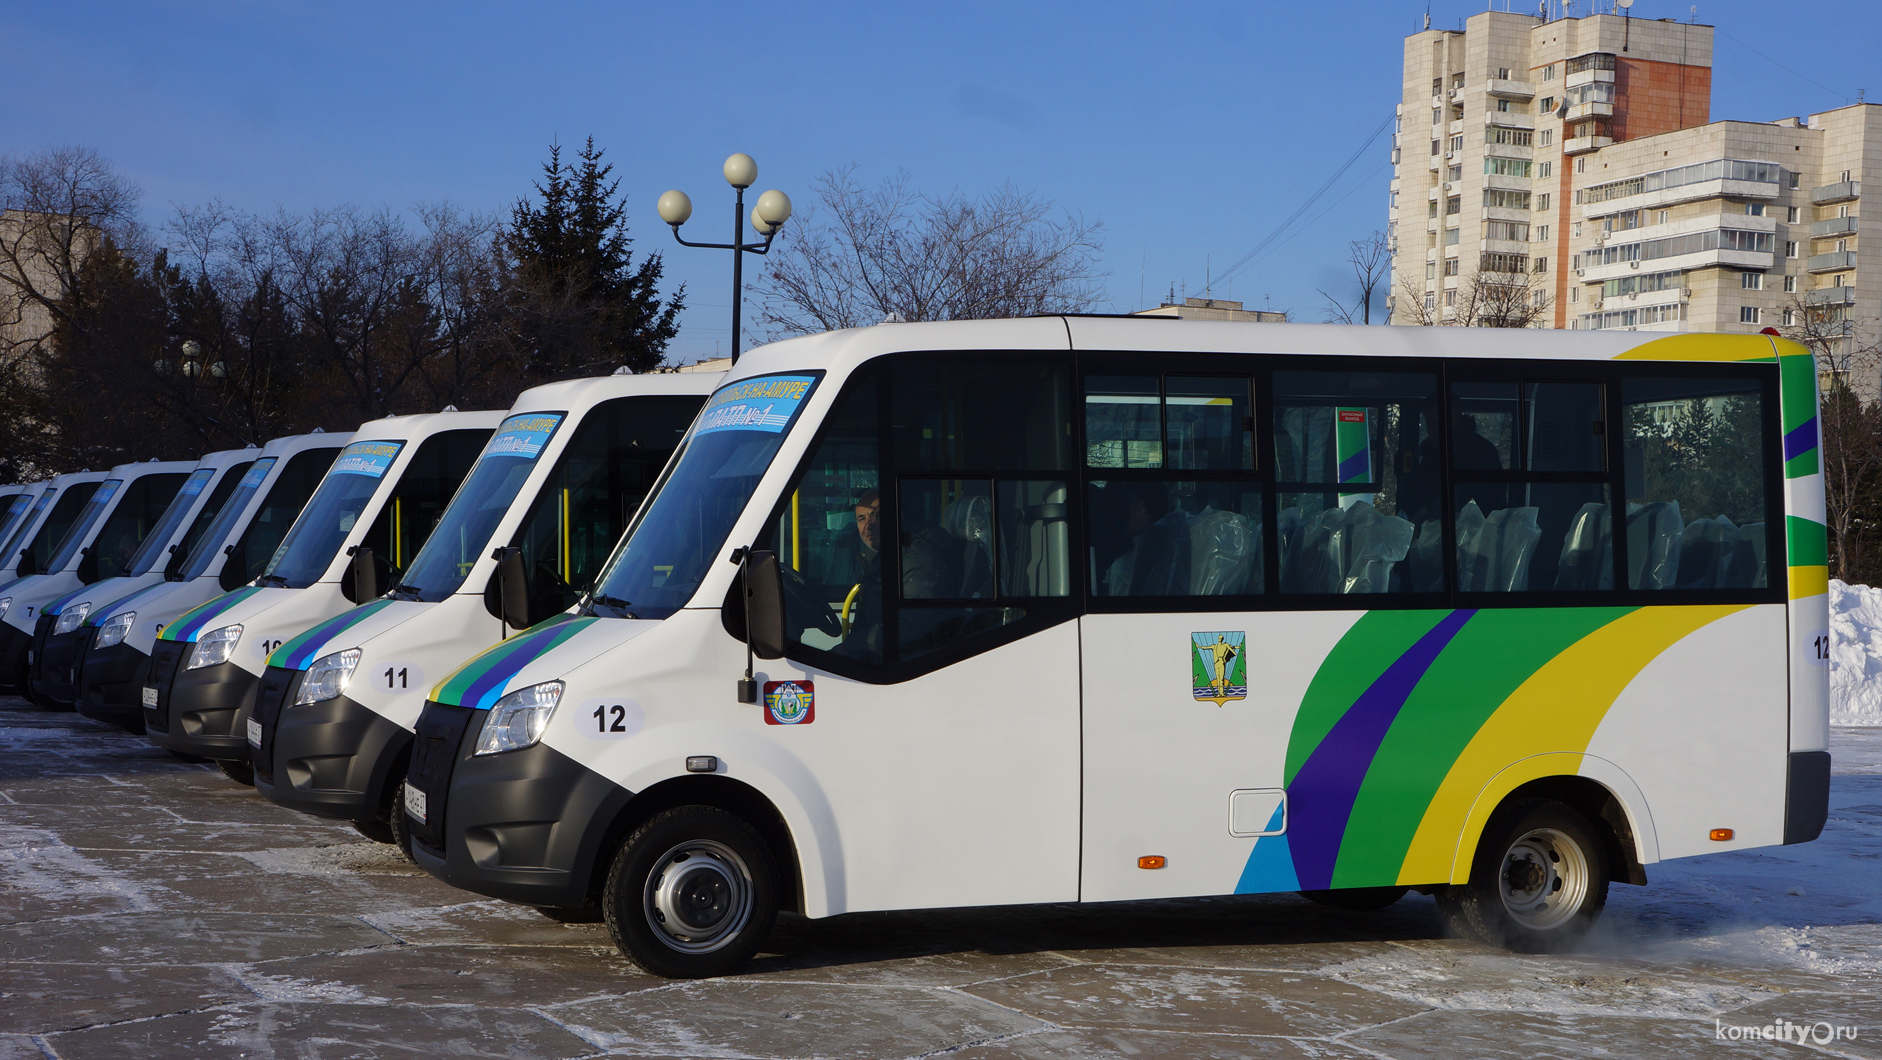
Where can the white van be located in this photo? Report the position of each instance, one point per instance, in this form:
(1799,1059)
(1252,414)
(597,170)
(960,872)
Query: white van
(118,515)
(1075,609)
(555,487)
(371,514)
(248,525)
(53,675)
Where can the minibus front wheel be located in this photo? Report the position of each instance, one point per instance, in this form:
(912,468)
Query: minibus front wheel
(240,772)
(692,893)
(1538,882)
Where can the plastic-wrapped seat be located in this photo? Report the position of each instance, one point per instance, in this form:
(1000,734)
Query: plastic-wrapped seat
(1223,551)
(1160,558)
(1751,542)
(1654,533)
(1584,562)
(1426,559)
(1347,551)
(1494,555)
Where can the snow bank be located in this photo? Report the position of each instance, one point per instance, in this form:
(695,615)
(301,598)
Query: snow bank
(1855,654)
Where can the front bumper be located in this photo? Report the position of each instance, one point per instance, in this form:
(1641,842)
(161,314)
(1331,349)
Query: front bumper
(336,758)
(55,662)
(524,826)
(111,682)
(201,712)
(14,644)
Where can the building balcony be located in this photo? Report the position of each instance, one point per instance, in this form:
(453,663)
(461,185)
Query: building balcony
(1705,189)
(1509,119)
(1581,145)
(1584,111)
(1833,227)
(1588,77)
(1731,259)
(1831,296)
(1830,194)
(1839,261)
(1497,86)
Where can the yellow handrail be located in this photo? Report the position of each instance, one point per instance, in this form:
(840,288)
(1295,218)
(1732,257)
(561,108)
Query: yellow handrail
(855,591)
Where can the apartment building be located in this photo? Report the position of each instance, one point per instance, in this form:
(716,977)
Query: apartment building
(1574,162)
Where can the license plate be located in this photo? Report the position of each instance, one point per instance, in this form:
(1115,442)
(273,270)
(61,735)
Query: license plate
(254,733)
(150,696)
(415,803)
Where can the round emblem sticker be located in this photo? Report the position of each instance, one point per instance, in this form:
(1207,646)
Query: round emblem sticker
(790,703)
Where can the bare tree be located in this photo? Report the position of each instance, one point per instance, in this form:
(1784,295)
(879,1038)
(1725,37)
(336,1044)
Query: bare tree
(1371,260)
(56,207)
(1849,359)
(1483,299)
(868,254)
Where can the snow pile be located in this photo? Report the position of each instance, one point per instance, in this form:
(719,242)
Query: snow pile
(1855,654)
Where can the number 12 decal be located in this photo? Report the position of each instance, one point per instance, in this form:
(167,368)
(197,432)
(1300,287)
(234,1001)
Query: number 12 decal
(1820,648)
(610,719)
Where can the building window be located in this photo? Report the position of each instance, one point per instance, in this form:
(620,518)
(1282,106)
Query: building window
(1792,180)
(1843,211)
(1790,215)
(1748,314)
(1450,266)
(1790,317)
(1751,281)
(1502,73)
(1541,265)
(1581,164)
(1437,86)
(1431,270)
(1575,229)
(1543,169)
(1842,246)
(1431,300)
(1503,106)
(1505,199)
(1437,115)
(1548,137)
(1542,233)
(1754,209)
(1457,80)
(1495,262)
(1548,72)
(1450,237)
(1513,137)
(1660,218)
(1790,285)
(1542,201)
(1457,143)
(1506,167)
(1837,282)
(1542,297)
(1574,294)
(1515,231)
(1454,204)
(1431,208)
(1435,146)
(1454,173)
(1547,105)
(1790,248)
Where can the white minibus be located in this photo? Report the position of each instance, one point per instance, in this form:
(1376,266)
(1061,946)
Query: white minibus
(57,637)
(116,518)
(114,654)
(1080,609)
(372,512)
(553,490)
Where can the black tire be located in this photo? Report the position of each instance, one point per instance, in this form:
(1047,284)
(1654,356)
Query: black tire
(377,831)
(400,825)
(683,921)
(1538,883)
(581,914)
(1356,899)
(240,772)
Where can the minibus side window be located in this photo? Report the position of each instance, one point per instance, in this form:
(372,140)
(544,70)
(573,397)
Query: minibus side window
(59,521)
(132,520)
(1358,480)
(205,516)
(419,499)
(289,493)
(1695,480)
(1155,531)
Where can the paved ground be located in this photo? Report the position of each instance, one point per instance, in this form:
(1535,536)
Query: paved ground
(150,908)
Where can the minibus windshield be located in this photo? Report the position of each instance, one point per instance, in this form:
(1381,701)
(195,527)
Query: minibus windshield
(21,502)
(152,549)
(18,541)
(81,529)
(678,533)
(212,541)
(472,516)
(316,536)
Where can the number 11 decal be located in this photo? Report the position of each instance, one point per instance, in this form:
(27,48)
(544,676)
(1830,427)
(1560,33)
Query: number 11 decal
(400,677)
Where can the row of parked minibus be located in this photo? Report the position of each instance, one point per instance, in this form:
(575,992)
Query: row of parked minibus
(1047,610)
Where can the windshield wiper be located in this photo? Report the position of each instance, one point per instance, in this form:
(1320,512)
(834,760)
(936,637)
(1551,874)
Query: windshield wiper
(613,603)
(273,579)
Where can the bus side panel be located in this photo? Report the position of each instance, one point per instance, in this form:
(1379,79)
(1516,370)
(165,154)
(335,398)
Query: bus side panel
(1806,549)
(1702,732)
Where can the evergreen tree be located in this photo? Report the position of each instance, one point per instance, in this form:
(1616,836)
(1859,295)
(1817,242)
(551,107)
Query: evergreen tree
(578,304)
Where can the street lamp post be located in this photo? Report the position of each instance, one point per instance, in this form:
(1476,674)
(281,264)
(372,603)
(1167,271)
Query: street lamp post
(767,217)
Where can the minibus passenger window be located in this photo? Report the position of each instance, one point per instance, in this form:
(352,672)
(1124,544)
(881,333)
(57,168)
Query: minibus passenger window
(1175,538)
(1694,476)
(1010,414)
(1123,421)
(1483,426)
(1358,476)
(1209,424)
(1533,537)
(1564,428)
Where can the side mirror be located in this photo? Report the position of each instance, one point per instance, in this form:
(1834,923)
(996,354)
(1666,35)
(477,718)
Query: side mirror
(360,583)
(174,565)
(25,567)
(234,569)
(512,588)
(88,566)
(764,605)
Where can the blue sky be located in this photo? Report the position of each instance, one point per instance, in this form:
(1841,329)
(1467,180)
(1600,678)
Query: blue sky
(1191,131)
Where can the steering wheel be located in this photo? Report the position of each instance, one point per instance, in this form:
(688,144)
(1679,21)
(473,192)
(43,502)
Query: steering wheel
(801,599)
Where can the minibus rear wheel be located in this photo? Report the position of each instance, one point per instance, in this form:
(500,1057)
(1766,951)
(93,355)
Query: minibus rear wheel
(692,893)
(1538,883)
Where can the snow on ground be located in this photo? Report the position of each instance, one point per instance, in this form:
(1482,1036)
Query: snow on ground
(1855,654)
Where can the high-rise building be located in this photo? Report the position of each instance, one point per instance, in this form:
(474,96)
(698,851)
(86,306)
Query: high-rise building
(1566,173)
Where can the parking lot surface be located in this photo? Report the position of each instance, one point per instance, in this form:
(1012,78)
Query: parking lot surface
(151,908)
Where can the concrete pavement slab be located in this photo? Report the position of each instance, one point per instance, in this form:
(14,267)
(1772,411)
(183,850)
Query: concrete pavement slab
(1135,1044)
(1555,1036)
(328,1032)
(440,975)
(185,938)
(44,997)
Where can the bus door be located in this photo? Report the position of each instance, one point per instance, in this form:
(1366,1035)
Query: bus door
(927,552)
(1193,681)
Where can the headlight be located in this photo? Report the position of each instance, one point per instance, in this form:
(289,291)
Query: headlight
(214,647)
(327,677)
(6,604)
(71,618)
(518,719)
(114,629)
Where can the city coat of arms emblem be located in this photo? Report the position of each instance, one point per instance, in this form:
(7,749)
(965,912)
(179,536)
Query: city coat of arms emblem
(1218,666)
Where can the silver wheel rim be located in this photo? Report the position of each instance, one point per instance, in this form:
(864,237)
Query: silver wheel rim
(1543,879)
(698,896)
